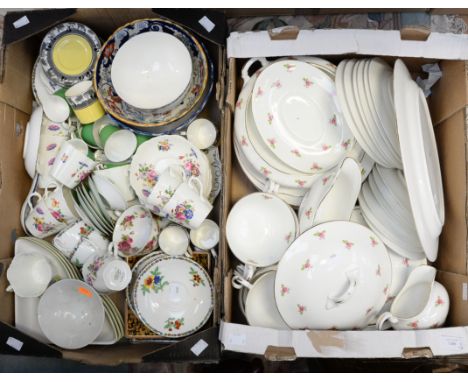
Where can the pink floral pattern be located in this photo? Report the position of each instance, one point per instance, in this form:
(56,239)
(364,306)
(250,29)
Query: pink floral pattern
(148,176)
(289,67)
(315,167)
(276,84)
(82,172)
(406,262)
(385,291)
(320,234)
(325,147)
(259,92)
(378,272)
(272,142)
(300,183)
(183,211)
(288,237)
(306,265)
(244,141)
(296,152)
(325,180)
(284,290)
(301,309)
(239,103)
(413,324)
(346,144)
(125,244)
(439,301)
(333,120)
(93,269)
(308,214)
(190,165)
(307,82)
(265,171)
(41,226)
(269,118)
(374,242)
(348,244)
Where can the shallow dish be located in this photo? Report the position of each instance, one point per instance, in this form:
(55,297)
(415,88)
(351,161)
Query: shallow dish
(68,53)
(173,296)
(31,141)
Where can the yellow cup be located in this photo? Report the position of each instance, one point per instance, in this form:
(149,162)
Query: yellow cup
(82,99)
(90,113)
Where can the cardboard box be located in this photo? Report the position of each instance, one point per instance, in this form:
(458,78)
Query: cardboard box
(448,104)
(15,108)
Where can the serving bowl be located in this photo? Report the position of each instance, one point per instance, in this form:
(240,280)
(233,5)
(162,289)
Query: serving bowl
(71,314)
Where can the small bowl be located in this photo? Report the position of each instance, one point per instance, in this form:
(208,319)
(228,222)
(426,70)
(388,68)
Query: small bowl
(174,240)
(71,314)
(206,236)
(202,133)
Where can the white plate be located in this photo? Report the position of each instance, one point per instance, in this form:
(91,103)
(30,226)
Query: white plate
(173,296)
(297,113)
(253,157)
(151,70)
(155,155)
(337,275)
(31,141)
(420,159)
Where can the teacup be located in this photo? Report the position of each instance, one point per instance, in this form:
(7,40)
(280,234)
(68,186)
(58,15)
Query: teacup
(120,146)
(206,236)
(120,176)
(167,184)
(201,133)
(40,222)
(423,303)
(82,99)
(188,206)
(106,273)
(152,243)
(60,207)
(29,274)
(174,240)
(72,164)
(68,240)
(132,231)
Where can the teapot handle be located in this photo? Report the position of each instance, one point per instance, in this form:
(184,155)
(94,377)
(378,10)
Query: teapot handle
(353,282)
(248,64)
(385,321)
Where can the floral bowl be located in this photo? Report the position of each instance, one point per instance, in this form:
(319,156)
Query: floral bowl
(133,231)
(150,118)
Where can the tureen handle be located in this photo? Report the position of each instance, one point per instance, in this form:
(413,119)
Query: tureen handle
(353,281)
(385,320)
(248,64)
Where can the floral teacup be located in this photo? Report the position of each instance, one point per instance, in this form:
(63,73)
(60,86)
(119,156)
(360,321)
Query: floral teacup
(133,231)
(40,222)
(168,182)
(71,165)
(188,207)
(106,273)
(59,207)
(152,243)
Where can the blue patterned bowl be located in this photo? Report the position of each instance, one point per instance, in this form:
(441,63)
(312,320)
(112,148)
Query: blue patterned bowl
(156,118)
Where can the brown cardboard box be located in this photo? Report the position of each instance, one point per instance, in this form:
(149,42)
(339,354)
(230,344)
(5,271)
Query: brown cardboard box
(15,107)
(448,107)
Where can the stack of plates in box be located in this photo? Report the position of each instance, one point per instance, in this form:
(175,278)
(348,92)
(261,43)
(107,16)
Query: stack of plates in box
(289,129)
(153,76)
(171,295)
(26,308)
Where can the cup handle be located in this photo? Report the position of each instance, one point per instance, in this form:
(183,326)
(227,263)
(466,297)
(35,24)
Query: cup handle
(248,64)
(30,196)
(271,187)
(9,288)
(385,321)
(239,282)
(112,250)
(199,185)
(353,282)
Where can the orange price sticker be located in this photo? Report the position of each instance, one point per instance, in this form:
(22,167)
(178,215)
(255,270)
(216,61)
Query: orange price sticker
(85,292)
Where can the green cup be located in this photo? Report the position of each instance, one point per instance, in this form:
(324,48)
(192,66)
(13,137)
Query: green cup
(142,138)
(91,155)
(61,93)
(106,132)
(87,134)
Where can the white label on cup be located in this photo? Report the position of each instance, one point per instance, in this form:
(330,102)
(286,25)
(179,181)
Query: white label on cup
(199,347)
(207,23)
(453,344)
(465,291)
(21,22)
(237,340)
(14,343)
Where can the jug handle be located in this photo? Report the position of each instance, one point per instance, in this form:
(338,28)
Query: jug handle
(385,321)
(353,282)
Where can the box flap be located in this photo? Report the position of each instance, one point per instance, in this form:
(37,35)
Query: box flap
(457,288)
(345,41)
(346,344)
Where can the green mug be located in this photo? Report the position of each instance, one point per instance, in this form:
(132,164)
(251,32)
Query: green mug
(106,132)
(87,134)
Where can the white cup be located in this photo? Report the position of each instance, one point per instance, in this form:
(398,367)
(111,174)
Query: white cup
(206,236)
(188,206)
(71,164)
(174,240)
(201,133)
(164,190)
(120,146)
(107,273)
(29,274)
(85,250)
(59,206)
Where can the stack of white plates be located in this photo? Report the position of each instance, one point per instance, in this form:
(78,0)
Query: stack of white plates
(289,128)
(385,206)
(365,90)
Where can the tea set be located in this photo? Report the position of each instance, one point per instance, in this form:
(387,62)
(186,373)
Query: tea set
(352,148)
(120,170)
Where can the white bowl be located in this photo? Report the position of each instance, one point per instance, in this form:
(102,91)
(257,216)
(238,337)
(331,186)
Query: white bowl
(206,236)
(174,240)
(151,70)
(201,133)
(71,314)
(259,229)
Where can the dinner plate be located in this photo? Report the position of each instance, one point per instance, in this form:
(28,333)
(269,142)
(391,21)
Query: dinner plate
(91,207)
(420,159)
(155,155)
(100,202)
(173,296)
(287,96)
(88,210)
